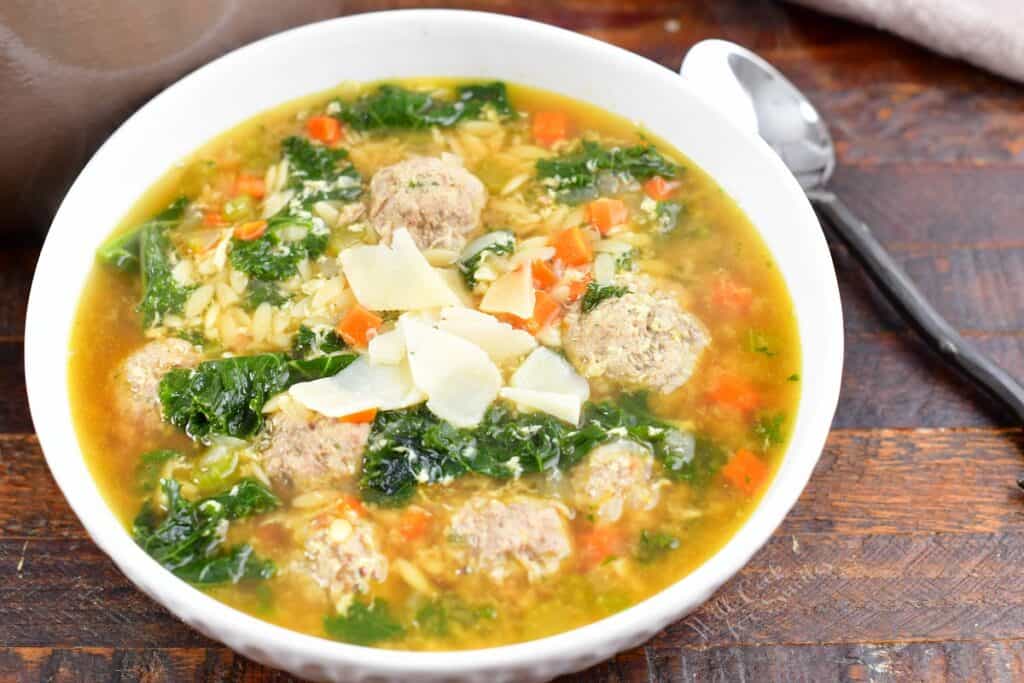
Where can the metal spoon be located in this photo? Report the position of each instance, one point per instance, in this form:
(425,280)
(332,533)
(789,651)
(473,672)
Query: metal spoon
(752,92)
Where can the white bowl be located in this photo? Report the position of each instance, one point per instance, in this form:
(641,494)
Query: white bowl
(427,43)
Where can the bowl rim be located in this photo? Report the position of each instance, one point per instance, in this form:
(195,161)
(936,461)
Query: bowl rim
(227,624)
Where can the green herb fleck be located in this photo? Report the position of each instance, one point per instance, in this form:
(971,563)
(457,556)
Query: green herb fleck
(653,545)
(364,624)
(757,342)
(597,293)
(769,428)
(151,463)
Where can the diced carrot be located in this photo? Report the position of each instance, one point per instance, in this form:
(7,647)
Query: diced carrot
(359,326)
(413,523)
(745,471)
(550,126)
(728,294)
(350,502)
(659,188)
(545,309)
(544,276)
(735,392)
(326,129)
(214,219)
(367,415)
(578,288)
(250,231)
(604,213)
(572,248)
(251,185)
(599,544)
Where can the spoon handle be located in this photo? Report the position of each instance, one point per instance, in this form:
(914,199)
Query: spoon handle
(889,277)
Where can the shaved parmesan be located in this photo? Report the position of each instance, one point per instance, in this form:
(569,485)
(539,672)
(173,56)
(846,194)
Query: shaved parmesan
(453,279)
(563,406)
(361,386)
(387,348)
(395,278)
(500,340)
(545,370)
(511,293)
(458,377)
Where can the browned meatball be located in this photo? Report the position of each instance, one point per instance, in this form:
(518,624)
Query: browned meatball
(343,556)
(640,340)
(437,200)
(138,377)
(613,478)
(301,454)
(501,539)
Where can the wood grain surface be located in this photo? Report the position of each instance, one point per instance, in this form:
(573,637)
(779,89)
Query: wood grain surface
(903,559)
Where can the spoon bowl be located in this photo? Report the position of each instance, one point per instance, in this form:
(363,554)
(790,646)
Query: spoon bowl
(759,98)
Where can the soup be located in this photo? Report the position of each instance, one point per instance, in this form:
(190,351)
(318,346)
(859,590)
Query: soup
(434,365)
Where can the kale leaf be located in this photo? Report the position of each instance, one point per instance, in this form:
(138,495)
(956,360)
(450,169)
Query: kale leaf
(161,293)
(188,539)
(122,251)
(226,396)
(596,293)
(574,176)
(364,624)
(260,291)
(496,242)
(653,544)
(147,472)
(271,257)
(436,617)
(310,343)
(667,215)
(317,173)
(395,107)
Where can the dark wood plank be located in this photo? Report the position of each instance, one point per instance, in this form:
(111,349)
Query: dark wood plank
(95,664)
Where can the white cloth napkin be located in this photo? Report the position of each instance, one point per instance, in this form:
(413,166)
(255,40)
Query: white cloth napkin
(988,33)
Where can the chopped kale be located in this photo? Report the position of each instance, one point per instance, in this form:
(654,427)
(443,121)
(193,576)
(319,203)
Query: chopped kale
(364,624)
(260,291)
(496,242)
(757,342)
(395,107)
(795,377)
(667,216)
(653,545)
(413,446)
(226,396)
(317,173)
(310,343)
(188,539)
(437,616)
(272,257)
(574,176)
(597,293)
(193,337)
(161,293)
(769,428)
(147,472)
(122,251)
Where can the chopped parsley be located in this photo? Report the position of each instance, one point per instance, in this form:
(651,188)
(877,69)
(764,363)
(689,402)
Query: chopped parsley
(597,293)
(769,428)
(653,545)
(757,342)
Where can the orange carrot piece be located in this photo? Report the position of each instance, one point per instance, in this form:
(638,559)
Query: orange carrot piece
(599,544)
(550,126)
(250,231)
(572,248)
(604,213)
(214,219)
(660,189)
(578,288)
(728,294)
(735,392)
(745,471)
(545,309)
(251,185)
(413,523)
(359,326)
(544,276)
(367,415)
(326,129)
(350,502)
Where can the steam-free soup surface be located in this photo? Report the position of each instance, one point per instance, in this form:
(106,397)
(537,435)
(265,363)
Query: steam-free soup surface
(434,365)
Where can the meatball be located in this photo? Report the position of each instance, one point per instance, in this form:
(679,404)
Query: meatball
(613,477)
(640,340)
(303,454)
(139,375)
(343,556)
(437,200)
(500,538)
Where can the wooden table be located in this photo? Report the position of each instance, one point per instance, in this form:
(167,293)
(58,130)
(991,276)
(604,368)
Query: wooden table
(904,558)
